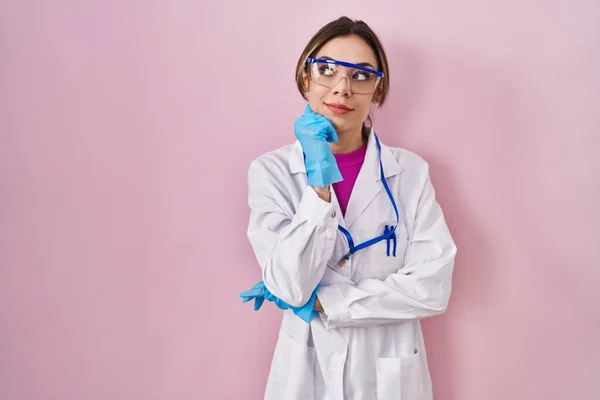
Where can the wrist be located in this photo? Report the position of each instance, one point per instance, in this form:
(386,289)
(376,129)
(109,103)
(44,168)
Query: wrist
(318,307)
(323,192)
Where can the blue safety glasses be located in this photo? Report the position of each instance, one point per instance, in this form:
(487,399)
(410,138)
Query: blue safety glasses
(329,73)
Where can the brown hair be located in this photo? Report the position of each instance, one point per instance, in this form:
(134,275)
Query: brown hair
(345,26)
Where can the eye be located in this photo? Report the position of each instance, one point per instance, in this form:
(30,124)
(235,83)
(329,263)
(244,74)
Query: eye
(361,76)
(326,69)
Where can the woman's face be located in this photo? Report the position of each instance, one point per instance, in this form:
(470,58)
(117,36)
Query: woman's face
(323,100)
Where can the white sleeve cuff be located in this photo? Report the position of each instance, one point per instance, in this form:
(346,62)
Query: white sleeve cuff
(312,207)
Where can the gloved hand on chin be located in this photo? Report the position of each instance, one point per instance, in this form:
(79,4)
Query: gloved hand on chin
(315,132)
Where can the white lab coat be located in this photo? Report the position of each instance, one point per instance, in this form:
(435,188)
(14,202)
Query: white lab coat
(368,343)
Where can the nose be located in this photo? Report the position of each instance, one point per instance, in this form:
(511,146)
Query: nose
(343,87)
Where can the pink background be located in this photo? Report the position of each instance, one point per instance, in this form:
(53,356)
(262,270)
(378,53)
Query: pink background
(126,132)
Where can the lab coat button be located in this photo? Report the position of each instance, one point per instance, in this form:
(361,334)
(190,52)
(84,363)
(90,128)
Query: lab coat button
(333,214)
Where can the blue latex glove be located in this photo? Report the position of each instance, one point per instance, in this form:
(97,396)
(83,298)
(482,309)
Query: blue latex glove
(260,293)
(315,132)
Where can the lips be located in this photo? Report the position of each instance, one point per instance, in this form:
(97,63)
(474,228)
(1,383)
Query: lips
(338,108)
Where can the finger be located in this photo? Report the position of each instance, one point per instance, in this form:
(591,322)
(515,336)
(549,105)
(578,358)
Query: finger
(249,293)
(329,132)
(332,136)
(258,303)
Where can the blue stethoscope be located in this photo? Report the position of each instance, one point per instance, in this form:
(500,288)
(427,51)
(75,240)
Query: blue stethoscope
(389,233)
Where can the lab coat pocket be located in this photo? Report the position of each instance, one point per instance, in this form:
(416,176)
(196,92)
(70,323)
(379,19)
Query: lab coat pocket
(400,378)
(387,256)
(293,370)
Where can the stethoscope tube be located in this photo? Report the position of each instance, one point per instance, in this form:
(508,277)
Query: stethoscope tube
(389,233)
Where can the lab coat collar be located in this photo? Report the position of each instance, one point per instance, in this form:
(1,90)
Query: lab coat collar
(368,184)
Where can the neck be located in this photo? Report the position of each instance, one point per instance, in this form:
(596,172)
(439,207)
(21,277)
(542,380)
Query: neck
(348,141)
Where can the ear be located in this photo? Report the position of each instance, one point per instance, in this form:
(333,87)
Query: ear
(305,83)
(377,95)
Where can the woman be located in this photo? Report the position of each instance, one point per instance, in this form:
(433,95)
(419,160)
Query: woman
(350,228)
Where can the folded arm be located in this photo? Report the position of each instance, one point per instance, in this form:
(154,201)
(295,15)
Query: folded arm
(420,288)
(292,250)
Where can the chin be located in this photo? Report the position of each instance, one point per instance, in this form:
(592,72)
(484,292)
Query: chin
(343,124)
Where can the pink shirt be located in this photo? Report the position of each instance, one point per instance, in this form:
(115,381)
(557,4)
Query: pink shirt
(349,165)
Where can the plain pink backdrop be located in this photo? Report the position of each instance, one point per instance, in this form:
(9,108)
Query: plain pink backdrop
(126,131)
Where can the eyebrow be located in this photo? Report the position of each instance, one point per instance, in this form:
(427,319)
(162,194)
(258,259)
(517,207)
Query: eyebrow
(363,64)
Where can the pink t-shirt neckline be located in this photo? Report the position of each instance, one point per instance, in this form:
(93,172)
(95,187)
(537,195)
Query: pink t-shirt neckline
(349,165)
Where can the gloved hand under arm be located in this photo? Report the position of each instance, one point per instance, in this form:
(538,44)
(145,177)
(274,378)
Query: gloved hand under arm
(260,293)
(315,132)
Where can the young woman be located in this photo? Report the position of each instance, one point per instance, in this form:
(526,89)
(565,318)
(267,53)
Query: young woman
(349,228)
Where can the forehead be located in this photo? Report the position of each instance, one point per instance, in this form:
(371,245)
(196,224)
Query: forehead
(350,49)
